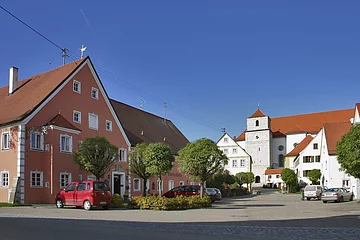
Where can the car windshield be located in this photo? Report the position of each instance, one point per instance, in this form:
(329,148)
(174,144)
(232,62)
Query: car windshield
(332,190)
(101,186)
(310,188)
(210,190)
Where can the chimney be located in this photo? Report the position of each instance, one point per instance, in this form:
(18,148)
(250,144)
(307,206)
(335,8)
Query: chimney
(13,79)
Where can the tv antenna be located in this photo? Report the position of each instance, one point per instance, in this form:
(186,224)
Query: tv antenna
(82,50)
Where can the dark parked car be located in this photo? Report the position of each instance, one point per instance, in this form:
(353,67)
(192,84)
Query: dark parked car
(211,192)
(187,190)
(218,194)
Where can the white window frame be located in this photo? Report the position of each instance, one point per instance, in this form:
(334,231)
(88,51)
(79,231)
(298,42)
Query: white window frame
(226,140)
(138,189)
(192,183)
(33,147)
(122,155)
(62,149)
(226,151)
(97,93)
(91,177)
(110,125)
(242,162)
(4,184)
(97,121)
(171,184)
(181,183)
(5,145)
(65,183)
(79,86)
(234,163)
(234,151)
(41,183)
(79,116)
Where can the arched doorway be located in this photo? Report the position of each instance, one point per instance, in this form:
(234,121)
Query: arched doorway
(257,179)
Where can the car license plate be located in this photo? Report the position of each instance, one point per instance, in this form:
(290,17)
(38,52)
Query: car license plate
(102,202)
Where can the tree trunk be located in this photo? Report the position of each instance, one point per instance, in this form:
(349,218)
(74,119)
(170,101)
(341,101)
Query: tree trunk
(201,189)
(144,188)
(160,186)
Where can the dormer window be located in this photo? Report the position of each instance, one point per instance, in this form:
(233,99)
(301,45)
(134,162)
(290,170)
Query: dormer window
(95,93)
(257,123)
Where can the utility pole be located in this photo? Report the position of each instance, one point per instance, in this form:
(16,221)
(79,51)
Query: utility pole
(165,111)
(64,54)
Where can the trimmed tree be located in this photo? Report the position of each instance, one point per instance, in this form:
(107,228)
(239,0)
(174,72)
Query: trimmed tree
(96,155)
(137,163)
(314,176)
(249,180)
(158,159)
(241,178)
(289,177)
(348,152)
(219,179)
(201,159)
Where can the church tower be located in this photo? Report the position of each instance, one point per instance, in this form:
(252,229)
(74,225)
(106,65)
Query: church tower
(258,138)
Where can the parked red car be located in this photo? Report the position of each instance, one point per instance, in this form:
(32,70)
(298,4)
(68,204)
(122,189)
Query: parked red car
(84,194)
(189,190)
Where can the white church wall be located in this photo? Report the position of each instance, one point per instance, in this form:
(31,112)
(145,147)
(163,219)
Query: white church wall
(278,147)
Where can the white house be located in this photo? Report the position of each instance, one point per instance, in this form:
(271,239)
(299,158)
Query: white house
(239,159)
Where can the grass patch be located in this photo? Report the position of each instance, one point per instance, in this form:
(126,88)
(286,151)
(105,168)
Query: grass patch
(4,204)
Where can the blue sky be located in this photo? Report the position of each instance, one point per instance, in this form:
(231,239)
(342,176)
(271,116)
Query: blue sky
(211,61)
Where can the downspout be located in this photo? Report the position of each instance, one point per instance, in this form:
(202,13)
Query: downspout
(51,169)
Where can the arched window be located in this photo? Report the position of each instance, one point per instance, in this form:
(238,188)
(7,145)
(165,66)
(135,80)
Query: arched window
(257,123)
(281,160)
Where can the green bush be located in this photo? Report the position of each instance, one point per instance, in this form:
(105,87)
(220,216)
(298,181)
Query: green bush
(117,201)
(166,204)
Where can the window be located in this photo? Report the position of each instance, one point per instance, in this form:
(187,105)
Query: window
(305,173)
(5,141)
(91,177)
(317,158)
(171,184)
(94,93)
(36,179)
(81,187)
(181,183)
(65,143)
(122,155)
(281,160)
(93,121)
(71,187)
(281,148)
(308,159)
(65,179)
(295,144)
(225,140)
(36,141)
(80,178)
(346,183)
(257,123)
(269,177)
(136,185)
(278,176)
(77,116)
(77,86)
(315,145)
(108,125)
(242,162)
(226,151)
(234,151)
(235,163)
(192,183)
(4,179)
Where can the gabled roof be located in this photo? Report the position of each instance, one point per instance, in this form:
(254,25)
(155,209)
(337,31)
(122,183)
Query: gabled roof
(309,123)
(301,146)
(60,121)
(31,92)
(258,113)
(141,126)
(334,133)
(273,171)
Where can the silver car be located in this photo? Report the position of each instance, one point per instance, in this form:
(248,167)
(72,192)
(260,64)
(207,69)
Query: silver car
(336,195)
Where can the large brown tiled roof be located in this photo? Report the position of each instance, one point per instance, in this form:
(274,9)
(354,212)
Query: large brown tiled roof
(258,113)
(31,92)
(141,126)
(60,121)
(310,123)
(301,146)
(273,171)
(334,133)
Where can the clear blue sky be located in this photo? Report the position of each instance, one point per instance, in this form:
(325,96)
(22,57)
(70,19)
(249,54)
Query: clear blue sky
(213,61)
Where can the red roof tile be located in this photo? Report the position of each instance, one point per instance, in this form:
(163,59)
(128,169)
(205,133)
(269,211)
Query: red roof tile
(301,146)
(31,92)
(334,133)
(273,171)
(258,113)
(60,121)
(310,123)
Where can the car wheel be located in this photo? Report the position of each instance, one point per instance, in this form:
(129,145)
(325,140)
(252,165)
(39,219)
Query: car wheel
(341,199)
(351,198)
(324,201)
(87,205)
(106,207)
(59,203)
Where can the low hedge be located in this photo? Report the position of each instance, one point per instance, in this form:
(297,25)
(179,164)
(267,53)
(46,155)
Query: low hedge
(167,204)
(117,201)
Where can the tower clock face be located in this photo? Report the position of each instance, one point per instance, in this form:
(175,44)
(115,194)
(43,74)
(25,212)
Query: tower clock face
(281,147)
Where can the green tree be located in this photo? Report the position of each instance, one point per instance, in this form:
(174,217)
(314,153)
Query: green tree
(137,163)
(249,180)
(219,179)
(96,155)
(290,178)
(158,160)
(241,178)
(314,176)
(201,159)
(348,152)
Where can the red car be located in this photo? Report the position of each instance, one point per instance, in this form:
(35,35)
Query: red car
(190,190)
(84,194)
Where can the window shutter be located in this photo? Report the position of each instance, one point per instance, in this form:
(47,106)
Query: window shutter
(41,179)
(42,142)
(125,155)
(71,144)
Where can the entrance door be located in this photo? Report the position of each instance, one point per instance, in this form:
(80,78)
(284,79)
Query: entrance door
(117,184)
(257,179)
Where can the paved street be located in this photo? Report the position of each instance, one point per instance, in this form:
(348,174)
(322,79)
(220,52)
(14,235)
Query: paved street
(271,215)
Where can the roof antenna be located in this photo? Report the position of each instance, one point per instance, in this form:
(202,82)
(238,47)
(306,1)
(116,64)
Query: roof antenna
(82,50)
(165,111)
(223,130)
(258,105)
(64,54)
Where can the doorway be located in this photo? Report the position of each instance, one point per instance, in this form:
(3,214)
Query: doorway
(118,183)
(257,179)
